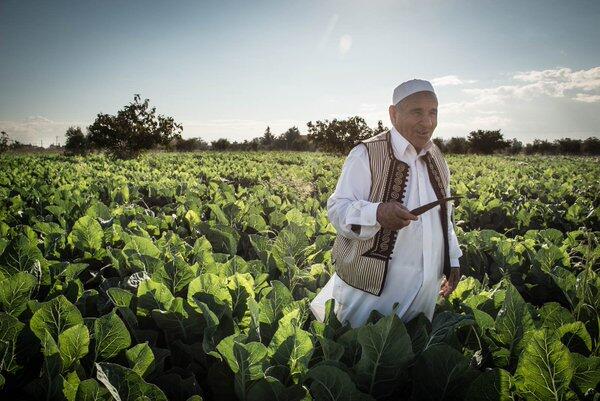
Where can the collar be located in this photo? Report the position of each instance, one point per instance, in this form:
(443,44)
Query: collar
(401,145)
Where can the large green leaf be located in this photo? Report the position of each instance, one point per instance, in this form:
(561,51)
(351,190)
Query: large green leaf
(241,288)
(126,385)
(272,305)
(10,328)
(386,351)
(90,390)
(110,336)
(177,323)
(152,295)
(212,290)
(575,336)
(545,368)
(73,344)
(493,385)
(330,383)
(176,274)
(15,291)
(55,316)
(86,234)
(247,361)
(291,346)
(141,358)
(441,373)
(513,322)
(587,372)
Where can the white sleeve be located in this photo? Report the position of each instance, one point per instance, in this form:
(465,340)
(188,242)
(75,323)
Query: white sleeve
(349,205)
(454,247)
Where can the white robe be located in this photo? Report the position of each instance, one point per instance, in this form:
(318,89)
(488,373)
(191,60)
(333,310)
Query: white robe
(415,270)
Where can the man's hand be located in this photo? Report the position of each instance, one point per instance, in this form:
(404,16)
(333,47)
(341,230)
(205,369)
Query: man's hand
(448,285)
(394,215)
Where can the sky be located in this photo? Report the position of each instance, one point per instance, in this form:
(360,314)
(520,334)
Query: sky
(231,68)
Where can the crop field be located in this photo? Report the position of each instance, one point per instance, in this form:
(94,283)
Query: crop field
(189,277)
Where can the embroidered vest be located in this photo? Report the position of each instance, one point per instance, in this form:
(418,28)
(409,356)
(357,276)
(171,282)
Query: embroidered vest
(363,264)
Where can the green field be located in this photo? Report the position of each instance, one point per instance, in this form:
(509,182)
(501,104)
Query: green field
(188,277)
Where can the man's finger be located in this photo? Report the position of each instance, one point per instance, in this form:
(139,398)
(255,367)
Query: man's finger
(404,214)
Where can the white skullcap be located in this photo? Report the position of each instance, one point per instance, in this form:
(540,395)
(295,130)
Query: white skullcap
(409,87)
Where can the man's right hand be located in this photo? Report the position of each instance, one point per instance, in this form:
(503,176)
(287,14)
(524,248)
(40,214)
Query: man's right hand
(394,215)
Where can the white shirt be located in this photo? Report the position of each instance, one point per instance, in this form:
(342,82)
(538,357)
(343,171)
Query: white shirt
(415,269)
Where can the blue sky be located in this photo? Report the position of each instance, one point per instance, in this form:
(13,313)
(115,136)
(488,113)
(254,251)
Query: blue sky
(229,69)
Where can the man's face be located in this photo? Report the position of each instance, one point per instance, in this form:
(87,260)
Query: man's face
(415,117)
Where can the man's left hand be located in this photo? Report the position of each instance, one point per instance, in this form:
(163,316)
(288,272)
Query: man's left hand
(448,285)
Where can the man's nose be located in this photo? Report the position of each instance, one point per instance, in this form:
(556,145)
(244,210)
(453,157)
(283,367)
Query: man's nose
(428,122)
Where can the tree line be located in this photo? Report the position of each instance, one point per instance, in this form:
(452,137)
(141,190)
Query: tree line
(137,128)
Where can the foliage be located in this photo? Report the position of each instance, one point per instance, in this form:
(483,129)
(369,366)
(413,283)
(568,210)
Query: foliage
(486,142)
(134,129)
(4,140)
(188,277)
(76,142)
(190,145)
(339,136)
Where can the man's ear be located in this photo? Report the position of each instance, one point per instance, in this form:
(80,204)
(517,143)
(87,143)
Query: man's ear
(392,110)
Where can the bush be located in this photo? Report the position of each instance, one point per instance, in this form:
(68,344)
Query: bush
(133,130)
(543,147)
(568,146)
(190,145)
(3,142)
(220,144)
(591,146)
(76,142)
(457,145)
(486,142)
(340,136)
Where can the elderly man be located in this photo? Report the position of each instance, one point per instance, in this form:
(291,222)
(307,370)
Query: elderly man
(383,254)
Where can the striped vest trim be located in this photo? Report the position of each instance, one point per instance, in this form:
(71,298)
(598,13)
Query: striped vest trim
(363,264)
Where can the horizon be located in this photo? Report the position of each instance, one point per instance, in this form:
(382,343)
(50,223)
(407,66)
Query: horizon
(229,70)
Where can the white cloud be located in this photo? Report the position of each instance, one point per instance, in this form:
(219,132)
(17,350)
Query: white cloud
(586,98)
(37,129)
(345,44)
(450,80)
(556,83)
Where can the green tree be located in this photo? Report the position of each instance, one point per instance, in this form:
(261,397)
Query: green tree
(76,142)
(135,128)
(486,142)
(268,138)
(339,136)
(190,145)
(458,145)
(4,142)
(220,144)
(568,145)
(591,146)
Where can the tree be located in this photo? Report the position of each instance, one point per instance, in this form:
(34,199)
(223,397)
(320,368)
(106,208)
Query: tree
(3,142)
(542,147)
(190,145)
(76,142)
(340,136)
(457,145)
(591,146)
(134,129)
(514,146)
(268,138)
(568,145)
(289,137)
(440,143)
(220,144)
(486,142)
